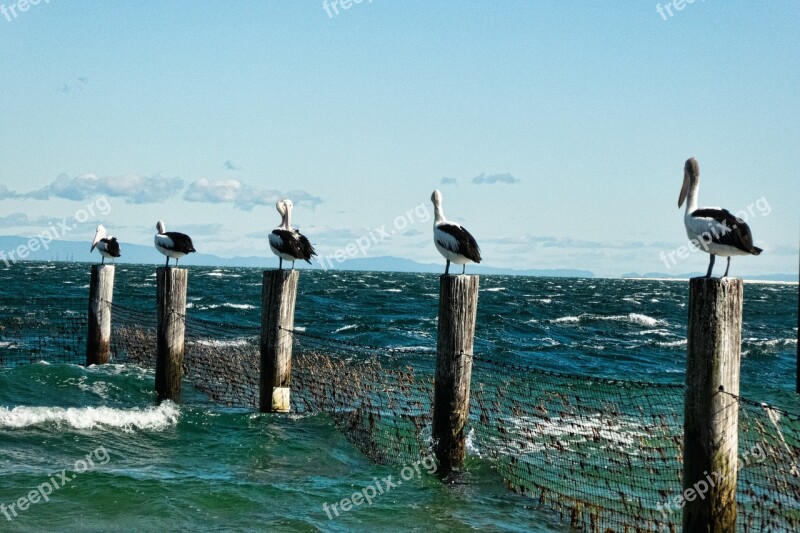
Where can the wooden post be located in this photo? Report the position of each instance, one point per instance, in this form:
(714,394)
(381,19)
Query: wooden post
(458,306)
(711,429)
(101,294)
(278,297)
(171,287)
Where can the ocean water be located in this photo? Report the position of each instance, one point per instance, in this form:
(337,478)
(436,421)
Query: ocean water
(119,461)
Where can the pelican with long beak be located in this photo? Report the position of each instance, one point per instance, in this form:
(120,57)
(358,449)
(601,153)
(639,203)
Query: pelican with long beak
(713,229)
(107,246)
(452,240)
(287,242)
(172,244)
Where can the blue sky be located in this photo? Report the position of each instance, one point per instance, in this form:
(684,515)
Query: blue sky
(556,131)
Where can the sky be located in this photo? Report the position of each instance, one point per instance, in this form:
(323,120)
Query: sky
(557,132)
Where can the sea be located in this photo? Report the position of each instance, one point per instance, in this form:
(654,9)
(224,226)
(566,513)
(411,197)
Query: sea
(114,460)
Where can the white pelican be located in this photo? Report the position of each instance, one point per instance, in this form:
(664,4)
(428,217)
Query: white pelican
(286,242)
(452,240)
(172,244)
(107,246)
(714,229)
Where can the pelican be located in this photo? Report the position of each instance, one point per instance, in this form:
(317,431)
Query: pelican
(172,244)
(107,246)
(715,229)
(452,240)
(286,242)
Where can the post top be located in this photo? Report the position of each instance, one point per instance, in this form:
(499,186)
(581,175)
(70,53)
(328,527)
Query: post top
(168,270)
(716,281)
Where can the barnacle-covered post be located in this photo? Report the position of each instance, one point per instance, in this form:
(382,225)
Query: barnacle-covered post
(171,290)
(278,297)
(101,294)
(711,410)
(458,306)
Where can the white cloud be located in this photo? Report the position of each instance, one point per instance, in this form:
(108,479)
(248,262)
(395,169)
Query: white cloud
(133,188)
(495,178)
(243,196)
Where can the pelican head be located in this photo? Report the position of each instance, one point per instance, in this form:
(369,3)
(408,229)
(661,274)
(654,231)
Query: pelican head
(99,234)
(284,207)
(160,227)
(436,197)
(691,175)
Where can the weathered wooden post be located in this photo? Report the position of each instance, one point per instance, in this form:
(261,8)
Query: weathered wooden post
(171,288)
(278,296)
(101,294)
(458,306)
(711,429)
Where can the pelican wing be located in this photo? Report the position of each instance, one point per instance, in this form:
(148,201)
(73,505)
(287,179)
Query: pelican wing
(305,245)
(112,247)
(726,229)
(291,243)
(180,242)
(457,239)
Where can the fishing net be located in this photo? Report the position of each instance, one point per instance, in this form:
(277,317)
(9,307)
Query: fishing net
(602,454)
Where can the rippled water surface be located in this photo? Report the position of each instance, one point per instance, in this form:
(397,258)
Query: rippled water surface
(198,465)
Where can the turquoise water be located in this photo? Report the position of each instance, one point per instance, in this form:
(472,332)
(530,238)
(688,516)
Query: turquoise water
(198,466)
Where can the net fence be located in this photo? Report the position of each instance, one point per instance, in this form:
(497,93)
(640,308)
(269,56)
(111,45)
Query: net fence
(602,454)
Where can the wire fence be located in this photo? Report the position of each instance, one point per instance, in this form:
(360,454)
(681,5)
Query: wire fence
(603,454)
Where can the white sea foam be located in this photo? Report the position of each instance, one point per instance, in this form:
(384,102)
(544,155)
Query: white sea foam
(672,344)
(643,319)
(238,306)
(566,319)
(470,445)
(345,328)
(633,318)
(392,290)
(151,418)
(228,304)
(494,289)
(219,344)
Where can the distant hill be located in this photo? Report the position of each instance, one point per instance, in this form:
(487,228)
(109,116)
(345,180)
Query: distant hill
(139,254)
(759,277)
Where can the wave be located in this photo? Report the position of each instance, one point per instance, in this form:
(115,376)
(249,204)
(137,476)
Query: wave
(226,304)
(345,328)
(152,418)
(221,274)
(632,318)
(234,343)
(769,342)
(672,344)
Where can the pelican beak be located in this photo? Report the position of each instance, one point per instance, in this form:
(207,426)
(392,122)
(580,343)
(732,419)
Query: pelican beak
(684,190)
(97,238)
